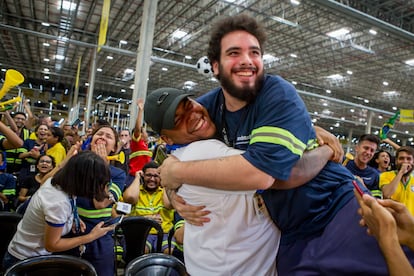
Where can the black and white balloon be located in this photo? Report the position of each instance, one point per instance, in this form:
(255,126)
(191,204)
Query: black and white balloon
(204,67)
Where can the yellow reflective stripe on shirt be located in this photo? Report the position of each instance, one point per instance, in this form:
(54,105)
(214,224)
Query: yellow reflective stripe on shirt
(278,136)
(312,144)
(140,153)
(93,214)
(115,188)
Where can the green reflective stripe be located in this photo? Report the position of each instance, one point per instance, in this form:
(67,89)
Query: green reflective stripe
(12,160)
(376,193)
(93,214)
(18,150)
(312,144)
(114,188)
(179,224)
(9,192)
(177,246)
(140,153)
(148,210)
(278,136)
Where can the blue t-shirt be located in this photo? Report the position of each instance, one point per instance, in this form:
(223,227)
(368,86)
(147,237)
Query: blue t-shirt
(369,175)
(274,130)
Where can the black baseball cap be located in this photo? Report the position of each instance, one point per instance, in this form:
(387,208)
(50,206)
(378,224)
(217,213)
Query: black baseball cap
(160,107)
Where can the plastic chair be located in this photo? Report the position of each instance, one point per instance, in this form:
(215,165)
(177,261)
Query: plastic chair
(135,231)
(8,222)
(62,265)
(155,264)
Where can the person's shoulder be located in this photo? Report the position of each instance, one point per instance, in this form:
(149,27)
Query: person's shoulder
(207,97)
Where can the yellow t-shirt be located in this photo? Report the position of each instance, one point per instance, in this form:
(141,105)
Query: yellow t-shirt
(404,192)
(58,152)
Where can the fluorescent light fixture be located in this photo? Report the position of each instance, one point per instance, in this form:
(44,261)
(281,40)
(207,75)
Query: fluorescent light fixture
(59,57)
(46,59)
(410,62)
(385,83)
(352,110)
(362,48)
(99,69)
(3,70)
(123,90)
(366,101)
(46,69)
(109,57)
(68,5)
(132,86)
(178,34)
(268,58)
(86,83)
(283,21)
(349,72)
(394,136)
(128,71)
(335,77)
(46,77)
(164,69)
(66,92)
(373,32)
(343,118)
(294,2)
(294,82)
(123,42)
(46,44)
(328,91)
(392,93)
(339,34)
(45,24)
(294,55)
(188,57)
(394,108)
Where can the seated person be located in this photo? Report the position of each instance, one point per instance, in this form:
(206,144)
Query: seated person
(7,187)
(149,200)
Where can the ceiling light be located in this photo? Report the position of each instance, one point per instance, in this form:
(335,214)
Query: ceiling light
(342,118)
(178,34)
(385,83)
(394,108)
(349,72)
(335,77)
(46,69)
(164,69)
(123,42)
(294,2)
(339,34)
(283,21)
(294,82)
(380,117)
(188,57)
(46,59)
(391,93)
(86,83)
(373,32)
(46,44)
(268,58)
(123,90)
(132,86)
(109,57)
(59,57)
(394,136)
(68,5)
(3,70)
(46,77)
(45,24)
(99,69)
(352,110)
(366,101)
(328,91)
(294,55)
(410,62)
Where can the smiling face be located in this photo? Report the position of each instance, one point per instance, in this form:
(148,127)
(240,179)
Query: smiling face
(41,132)
(45,164)
(383,160)
(240,69)
(192,123)
(104,136)
(364,152)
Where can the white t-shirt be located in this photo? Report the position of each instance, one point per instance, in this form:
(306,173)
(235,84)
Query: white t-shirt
(48,205)
(240,239)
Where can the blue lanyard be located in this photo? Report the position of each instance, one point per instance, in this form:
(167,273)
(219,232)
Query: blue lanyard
(76,218)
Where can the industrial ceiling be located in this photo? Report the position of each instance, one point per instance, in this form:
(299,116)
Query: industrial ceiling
(350,80)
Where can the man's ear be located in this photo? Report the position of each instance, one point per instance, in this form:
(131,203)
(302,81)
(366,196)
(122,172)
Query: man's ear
(166,140)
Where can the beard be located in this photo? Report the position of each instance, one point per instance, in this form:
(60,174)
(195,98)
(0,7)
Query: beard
(245,93)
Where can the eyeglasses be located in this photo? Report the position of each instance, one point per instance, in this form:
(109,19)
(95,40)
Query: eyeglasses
(45,161)
(149,175)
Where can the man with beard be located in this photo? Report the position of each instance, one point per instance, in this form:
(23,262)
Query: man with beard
(264,115)
(149,200)
(399,185)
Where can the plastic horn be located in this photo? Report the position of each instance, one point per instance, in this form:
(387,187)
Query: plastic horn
(12,79)
(14,100)
(348,157)
(120,157)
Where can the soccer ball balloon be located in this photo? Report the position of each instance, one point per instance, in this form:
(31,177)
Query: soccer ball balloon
(204,67)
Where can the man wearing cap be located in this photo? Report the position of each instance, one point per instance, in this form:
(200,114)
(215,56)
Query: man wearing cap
(213,248)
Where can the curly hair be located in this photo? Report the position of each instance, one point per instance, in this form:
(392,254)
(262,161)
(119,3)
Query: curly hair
(230,24)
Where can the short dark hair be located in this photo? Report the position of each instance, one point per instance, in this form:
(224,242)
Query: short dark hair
(102,122)
(150,165)
(57,132)
(86,174)
(19,112)
(369,137)
(222,27)
(406,149)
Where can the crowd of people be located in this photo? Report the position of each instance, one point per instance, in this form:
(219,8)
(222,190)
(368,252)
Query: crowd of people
(250,186)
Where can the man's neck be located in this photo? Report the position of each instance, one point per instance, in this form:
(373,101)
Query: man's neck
(233,104)
(360,165)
